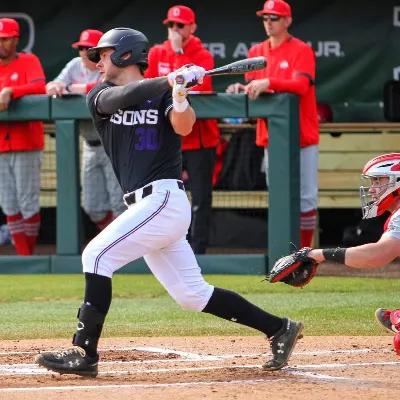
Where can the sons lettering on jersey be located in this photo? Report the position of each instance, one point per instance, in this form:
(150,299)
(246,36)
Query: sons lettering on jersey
(130,118)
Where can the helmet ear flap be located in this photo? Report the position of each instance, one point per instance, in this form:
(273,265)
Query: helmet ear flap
(138,55)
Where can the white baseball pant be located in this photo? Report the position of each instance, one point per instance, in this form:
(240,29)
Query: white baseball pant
(155,227)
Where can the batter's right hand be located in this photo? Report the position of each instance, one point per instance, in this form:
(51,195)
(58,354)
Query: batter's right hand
(235,88)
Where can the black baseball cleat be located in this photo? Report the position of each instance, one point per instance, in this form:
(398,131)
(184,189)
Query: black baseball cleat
(382,316)
(283,345)
(69,361)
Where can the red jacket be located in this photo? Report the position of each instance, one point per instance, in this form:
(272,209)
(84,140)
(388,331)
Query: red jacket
(25,76)
(290,68)
(163,60)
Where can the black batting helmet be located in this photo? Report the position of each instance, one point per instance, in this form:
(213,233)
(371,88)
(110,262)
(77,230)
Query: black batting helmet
(123,40)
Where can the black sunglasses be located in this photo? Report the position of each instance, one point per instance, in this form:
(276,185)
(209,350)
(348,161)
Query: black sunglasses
(171,24)
(272,17)
(82,48)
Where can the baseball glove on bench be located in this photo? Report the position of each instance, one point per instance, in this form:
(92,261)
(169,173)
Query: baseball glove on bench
(296,269)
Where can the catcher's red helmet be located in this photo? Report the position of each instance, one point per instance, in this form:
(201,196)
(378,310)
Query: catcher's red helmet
(383,191)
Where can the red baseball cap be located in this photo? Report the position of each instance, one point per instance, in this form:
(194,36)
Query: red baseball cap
(8,28)
(277,7)
(88,38)
(182,14)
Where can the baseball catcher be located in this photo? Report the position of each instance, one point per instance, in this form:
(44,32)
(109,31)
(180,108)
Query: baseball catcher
(382,194)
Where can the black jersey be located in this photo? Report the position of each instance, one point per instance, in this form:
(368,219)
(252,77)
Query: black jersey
(139,140)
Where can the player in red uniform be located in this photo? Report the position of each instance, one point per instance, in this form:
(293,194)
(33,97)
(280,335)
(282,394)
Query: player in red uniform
(290,68)
(21,143)
(199,147)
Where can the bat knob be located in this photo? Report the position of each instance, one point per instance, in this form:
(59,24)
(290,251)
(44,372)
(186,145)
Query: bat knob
(179,79)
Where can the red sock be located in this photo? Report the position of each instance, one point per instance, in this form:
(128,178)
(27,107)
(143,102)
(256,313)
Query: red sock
(17,231)
(307,227)
(105,221)
(32,226)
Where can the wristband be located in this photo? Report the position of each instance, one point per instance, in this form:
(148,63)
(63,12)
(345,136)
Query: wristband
(337,255)
(67,87)
(180,107)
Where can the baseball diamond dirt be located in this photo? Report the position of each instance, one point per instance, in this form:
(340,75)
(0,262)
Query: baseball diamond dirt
(208,368)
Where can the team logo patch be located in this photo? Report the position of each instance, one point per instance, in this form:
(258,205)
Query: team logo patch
(1,26)
(14,76)
(270,5)
(85,35)
(176,12)
(390,227)
(284,65)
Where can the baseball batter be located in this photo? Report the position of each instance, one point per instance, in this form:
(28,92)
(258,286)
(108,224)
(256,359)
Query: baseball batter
(141,122)
(102,195)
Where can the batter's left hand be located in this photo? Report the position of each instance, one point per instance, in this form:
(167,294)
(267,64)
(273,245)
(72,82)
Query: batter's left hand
(5,98)
(256,87)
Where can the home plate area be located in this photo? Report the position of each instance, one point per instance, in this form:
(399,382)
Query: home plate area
(217,367)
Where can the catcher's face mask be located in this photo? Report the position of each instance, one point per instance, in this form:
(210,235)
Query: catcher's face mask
(378,196)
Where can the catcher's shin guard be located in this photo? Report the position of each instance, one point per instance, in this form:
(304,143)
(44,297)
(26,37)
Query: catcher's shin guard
(89,328)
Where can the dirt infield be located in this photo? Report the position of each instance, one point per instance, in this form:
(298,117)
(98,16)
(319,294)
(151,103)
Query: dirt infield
(208,368)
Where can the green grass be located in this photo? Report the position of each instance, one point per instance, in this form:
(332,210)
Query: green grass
(45,306)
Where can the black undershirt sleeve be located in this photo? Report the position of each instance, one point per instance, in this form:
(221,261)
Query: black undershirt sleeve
(119,97)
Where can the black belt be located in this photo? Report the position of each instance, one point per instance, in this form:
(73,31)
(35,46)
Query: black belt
(93,143)
(131,198)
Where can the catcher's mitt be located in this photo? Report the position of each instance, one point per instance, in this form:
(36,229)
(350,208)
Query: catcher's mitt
(296,269)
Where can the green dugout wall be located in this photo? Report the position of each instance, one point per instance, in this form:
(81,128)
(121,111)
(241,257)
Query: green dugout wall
(284,193)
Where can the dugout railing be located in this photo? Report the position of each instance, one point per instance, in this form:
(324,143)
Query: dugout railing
(283,199)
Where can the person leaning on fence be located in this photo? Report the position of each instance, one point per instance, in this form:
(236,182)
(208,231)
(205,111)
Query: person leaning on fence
(199,147)
(21,143)
(102,194)
(290,68)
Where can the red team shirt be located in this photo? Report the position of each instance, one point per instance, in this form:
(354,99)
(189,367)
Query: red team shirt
(25,76)
(290,68)
(163,60)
